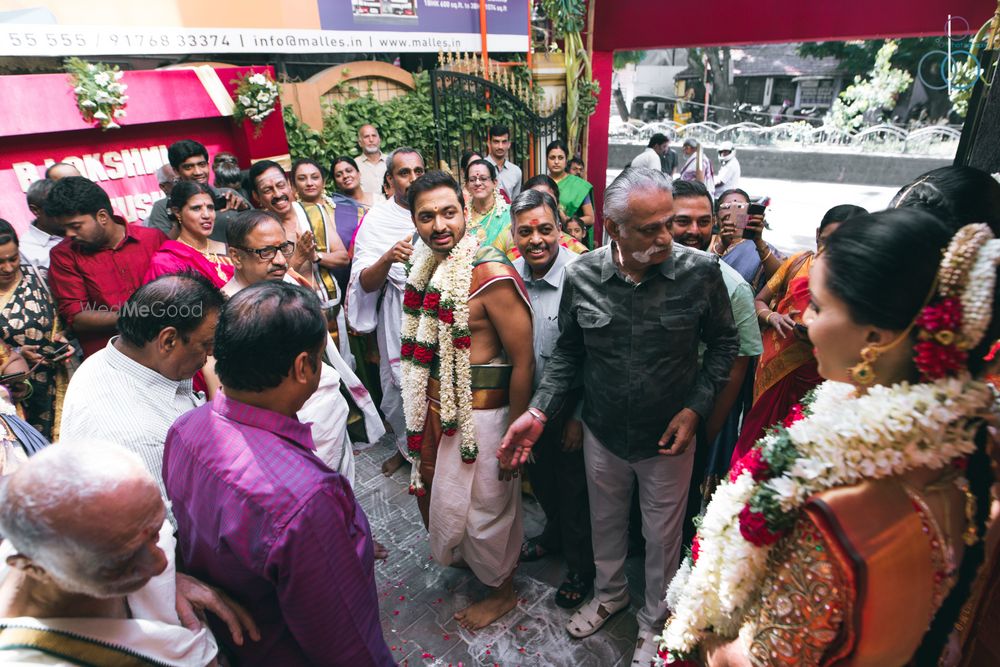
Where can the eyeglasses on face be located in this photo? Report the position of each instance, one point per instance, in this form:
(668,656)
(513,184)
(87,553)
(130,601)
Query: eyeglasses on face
(480,179)
(268,253)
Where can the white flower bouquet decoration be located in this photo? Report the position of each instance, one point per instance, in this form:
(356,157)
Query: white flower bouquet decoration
(100,93)
(256,96)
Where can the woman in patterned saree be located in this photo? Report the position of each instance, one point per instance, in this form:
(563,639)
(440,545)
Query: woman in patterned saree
(851,533)
(191,203)
(29,321)
(787,369)
(487,214)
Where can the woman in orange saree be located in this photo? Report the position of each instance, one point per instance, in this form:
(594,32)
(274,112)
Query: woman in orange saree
(786,370)
(850,535)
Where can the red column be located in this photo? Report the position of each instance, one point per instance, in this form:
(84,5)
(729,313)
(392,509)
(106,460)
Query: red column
(597,135)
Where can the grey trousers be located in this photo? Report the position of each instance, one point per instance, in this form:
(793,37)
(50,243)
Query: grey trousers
(663,488)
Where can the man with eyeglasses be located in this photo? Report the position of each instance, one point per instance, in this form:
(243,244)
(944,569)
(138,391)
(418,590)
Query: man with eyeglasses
(260,251)
(375,290)
(189,161)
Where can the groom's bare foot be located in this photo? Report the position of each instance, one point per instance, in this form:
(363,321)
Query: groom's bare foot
(392,464)
(480,614)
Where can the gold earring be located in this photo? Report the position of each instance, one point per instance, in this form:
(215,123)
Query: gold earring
(863,373)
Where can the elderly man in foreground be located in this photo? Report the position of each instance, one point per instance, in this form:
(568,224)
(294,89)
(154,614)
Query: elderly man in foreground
(88,572)
(631,318)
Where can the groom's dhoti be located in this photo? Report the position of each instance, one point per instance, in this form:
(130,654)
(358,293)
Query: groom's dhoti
(473,516)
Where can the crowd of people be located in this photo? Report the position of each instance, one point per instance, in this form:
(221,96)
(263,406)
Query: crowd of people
(797,447)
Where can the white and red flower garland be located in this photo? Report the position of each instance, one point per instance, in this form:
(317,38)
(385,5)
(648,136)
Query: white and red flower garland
(836,439)
(956,318)
(436,325)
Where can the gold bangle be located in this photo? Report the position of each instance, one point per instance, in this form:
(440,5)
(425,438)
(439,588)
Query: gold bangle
(764,258)
(763,310)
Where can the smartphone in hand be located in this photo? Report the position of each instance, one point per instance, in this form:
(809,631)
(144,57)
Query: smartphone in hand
(754,209)
(12,378)
(51,351)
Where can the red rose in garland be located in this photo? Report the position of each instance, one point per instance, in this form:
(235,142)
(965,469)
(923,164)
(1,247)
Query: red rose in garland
(753,528)
(423,355)
(431,301)
(945,315)
(446,315)
(753,462)
(412,299)
(935,361)
(797,413)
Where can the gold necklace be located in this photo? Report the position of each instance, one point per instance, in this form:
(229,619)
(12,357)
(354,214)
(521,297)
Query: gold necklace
(483,213)
(213,258)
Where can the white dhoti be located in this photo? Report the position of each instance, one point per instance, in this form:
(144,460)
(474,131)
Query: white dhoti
(475,517)
(326,411)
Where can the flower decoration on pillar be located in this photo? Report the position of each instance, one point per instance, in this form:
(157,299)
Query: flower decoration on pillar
(256,96)
(100,92)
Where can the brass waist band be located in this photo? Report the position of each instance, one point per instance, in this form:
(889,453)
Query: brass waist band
(490,388)
(486,376)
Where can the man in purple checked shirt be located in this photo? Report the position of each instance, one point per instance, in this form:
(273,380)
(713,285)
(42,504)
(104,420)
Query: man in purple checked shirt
(258,514)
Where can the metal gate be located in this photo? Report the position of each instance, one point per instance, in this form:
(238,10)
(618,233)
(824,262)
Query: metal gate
(465,106)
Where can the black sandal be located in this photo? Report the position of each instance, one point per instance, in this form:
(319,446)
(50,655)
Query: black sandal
(533,550)
(574,590)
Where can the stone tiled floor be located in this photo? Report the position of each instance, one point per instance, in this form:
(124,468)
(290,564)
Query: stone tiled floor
(417,597)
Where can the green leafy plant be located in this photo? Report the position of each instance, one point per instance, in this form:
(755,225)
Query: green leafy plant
(864,101)
(100,93)
(623,58)
(406,120)
(568,21)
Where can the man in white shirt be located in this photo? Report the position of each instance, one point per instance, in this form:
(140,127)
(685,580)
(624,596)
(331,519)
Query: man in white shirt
(87,571)
(508,173)
(728,177)
(43,234)
(131,392)
(650,158)
(371,162)
(375,290)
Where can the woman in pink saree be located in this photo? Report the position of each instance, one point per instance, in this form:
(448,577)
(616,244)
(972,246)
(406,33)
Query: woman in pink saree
(192,205)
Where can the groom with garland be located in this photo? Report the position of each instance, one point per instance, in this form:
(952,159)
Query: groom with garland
(467,362)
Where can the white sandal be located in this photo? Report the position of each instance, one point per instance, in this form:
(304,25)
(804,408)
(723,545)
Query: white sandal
(589,618)
(645,649)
